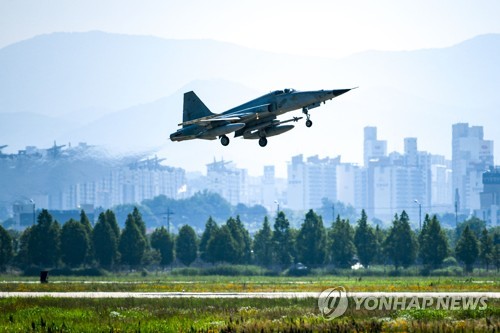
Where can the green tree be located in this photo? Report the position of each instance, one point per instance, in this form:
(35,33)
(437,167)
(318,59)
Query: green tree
(6,248)
(380,255)
(486,249)
(111,221)
(210,228)
(311,241)
(186,246)
(433,243)
(467,249)
(104,242)
(75,243)
(132,243)
(263,244)
(222,247)
(84,220)
(401,244)
(242,239)
(22,256)
(342,248)
(475,224)
(44,241)
(365,240)
(282,241)
(496,248)
(163,243)
(139,222)
(331,209)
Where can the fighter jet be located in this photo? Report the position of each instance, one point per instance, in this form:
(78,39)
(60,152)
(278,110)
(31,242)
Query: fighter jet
(256,119)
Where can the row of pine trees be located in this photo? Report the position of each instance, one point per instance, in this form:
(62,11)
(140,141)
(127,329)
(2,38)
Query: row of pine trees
(105,245)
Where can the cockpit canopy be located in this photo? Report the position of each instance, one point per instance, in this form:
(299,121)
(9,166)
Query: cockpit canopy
(286,91)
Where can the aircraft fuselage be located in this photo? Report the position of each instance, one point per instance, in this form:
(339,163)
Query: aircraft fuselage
(255,119)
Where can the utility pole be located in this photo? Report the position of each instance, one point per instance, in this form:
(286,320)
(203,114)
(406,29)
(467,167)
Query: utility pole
(457,203)
(168,213)
(456,213)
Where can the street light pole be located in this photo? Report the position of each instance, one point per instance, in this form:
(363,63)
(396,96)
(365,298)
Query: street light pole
(33,203)
(419,214)
(278,207)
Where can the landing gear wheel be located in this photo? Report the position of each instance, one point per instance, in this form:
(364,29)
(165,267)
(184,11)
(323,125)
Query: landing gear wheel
(309,123)
(224,140)
(262,142)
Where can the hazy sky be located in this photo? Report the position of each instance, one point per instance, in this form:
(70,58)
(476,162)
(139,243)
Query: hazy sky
(327,28)
(315,27)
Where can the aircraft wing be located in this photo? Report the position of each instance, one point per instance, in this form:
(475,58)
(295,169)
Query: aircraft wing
(236,116)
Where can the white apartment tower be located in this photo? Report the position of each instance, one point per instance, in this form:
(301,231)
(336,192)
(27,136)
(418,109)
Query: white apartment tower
(373,148)
(471,157)
(311,181)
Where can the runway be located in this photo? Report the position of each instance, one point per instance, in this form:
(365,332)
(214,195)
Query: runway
(489,295)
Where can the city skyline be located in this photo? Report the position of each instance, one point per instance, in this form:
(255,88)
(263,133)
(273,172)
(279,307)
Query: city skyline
(416,181)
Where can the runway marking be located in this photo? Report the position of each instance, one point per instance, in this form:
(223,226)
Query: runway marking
(490,295)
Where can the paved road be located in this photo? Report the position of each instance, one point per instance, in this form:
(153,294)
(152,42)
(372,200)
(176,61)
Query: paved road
(489,295)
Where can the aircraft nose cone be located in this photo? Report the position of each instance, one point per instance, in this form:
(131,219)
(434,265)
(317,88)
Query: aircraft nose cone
(339,92)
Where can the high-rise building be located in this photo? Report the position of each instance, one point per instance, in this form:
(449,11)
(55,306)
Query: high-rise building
(373,148)
(411,153)
(441,185)
(311,181)
(296,198)
(471,157)
(127,184)
(490,197)
(399,182)
(351,185)
(269,191)
(228,181)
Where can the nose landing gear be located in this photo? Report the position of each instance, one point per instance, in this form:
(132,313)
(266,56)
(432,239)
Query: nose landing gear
(309,123)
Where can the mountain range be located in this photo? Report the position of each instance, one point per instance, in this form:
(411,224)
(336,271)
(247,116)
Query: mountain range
(125,92)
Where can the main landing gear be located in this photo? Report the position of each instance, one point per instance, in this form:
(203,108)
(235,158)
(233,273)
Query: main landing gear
(309,123)
(224,140)
(263,141)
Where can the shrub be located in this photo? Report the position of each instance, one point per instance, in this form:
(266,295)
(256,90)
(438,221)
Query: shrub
(448,271)
(298,272)
(450,261)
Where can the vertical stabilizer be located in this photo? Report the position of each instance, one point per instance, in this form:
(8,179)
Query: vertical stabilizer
(194,107)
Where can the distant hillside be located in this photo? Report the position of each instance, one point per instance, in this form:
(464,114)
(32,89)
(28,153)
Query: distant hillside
(466,74)
(126,91)
(63,72)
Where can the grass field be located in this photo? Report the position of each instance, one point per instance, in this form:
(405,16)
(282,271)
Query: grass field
(235,315)
(165,282)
